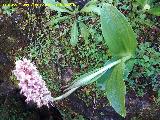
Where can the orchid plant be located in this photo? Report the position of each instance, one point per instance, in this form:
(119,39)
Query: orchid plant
(121,41)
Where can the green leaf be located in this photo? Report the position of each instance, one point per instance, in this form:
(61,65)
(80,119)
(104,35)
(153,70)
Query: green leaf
(117,32)
(116,90)
(84,31)
(154,11)
(128,67)
(49,1)
(57,20)
(103,78)
(66,2)
(74,34)
(91,8)
(142,2)
(90,3)
(52,5)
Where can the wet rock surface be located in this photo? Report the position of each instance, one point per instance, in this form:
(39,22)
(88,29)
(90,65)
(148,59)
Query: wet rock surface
(12,38)
(137,107)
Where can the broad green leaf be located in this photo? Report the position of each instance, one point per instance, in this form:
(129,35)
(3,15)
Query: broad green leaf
(154,11)
(116,90)
(74,34)
(117,32)
(105,76)
(84,31)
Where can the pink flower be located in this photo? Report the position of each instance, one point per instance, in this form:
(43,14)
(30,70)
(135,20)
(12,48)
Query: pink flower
(31,83)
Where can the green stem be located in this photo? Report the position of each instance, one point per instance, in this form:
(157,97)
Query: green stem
(65,95)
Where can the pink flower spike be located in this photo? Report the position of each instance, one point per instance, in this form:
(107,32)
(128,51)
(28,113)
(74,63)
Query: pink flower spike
(31,83)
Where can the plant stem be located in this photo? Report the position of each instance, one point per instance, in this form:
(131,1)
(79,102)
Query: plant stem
(65,95)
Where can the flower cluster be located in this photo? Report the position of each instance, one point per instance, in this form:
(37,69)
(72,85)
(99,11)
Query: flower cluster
(31,83)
